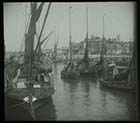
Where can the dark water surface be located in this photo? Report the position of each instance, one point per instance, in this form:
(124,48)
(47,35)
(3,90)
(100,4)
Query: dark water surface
(83,100)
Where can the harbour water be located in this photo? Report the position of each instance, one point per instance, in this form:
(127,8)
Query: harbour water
(82,100)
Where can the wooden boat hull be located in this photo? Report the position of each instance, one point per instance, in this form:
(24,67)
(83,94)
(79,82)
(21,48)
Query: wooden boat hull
(88,74)
(42,88)
(120,87)
(99,73)
(11,101)
(38,93)
(12,108)
(14,99)
(69,75)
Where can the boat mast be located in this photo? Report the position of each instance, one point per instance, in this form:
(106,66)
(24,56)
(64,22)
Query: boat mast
(87,22)
(129,55)
(46,38)
(132,66)
(39,43)
(30,62)
(29,38)
(55,49)
(47,13)
(31,34)
(103,38)
(86,57)
(29,49)
(55,45)
(103,51)
(70,33)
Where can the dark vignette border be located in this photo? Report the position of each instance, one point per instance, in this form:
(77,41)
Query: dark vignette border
(2,48)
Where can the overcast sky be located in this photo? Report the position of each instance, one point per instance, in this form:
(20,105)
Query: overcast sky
(119,19)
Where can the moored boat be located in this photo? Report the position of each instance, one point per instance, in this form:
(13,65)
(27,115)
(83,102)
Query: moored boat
(84,67)
(42,84)
(33,79)
(70,71)
(117,85)
(121,78)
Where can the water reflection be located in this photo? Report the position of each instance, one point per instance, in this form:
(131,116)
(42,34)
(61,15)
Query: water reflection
(125,103)
(85,100)
(86,91)
(55,71)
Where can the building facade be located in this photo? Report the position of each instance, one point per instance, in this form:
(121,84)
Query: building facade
(112,46)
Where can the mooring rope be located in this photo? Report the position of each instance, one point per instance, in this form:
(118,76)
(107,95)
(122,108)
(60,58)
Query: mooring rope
(19,104)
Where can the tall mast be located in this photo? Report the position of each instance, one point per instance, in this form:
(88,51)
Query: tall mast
(54,44)
(86,58)
(46,15)
(56,47)
(102,51)
(129,55)
(87,23)
(25,18)
(103,28)
(103,36)
(30,59)
(29,38)
(38,46)
(70,33)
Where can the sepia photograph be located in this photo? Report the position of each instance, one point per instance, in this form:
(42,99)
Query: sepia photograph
(70,61)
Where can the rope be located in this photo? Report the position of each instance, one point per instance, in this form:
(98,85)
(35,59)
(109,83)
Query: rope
(19,104)
(24,34)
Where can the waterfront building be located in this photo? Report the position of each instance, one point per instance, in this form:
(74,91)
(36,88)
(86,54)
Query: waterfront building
(113,46)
